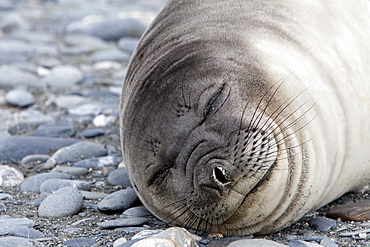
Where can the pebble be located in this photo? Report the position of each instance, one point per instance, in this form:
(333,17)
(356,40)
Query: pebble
(146,234)
(3,208)
(19,97)
(18,242)
(73,171)
(91,133)
(322,224)
(130,230)
(8,221)
(98,163)
(137,212)
(104,121)
(89,195)
(34,158)
(356,211)
(63,77)
(10,176)
(119,201)
(61,129)
(20,231)
(64,202)
(174,236)
(33,183)
(83,43)
(111,224)
(10,76)
(300,243)
(78,151)
(110,30)
(5,196)
(52,185)
(255,242)
(15,148)
(79,242)
(112,54)
(119,177)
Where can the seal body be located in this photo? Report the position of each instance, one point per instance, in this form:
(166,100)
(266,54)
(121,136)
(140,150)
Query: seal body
(241,116)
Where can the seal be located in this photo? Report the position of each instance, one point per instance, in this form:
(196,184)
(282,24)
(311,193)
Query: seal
(239,117)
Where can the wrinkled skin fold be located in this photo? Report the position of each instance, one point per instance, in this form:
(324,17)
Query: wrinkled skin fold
(241,116)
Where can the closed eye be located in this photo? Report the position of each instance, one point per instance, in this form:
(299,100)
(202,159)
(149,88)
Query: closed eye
(211,105)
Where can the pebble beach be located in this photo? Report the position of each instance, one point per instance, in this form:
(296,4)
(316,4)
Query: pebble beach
(63,180)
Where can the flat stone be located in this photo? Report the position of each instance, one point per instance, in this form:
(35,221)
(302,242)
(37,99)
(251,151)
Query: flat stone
(322,224)
(92,108)
(358,211)
(8,221)
(300,243)
(74,171)
(5,196)
(172,237)
(110,55)
(20,97)
(119,200)
(64,202)
(98,163)
(91,133)
(62,129)
(10,76)
(119,177)
(63,77)
(130,230)
(3,208)
(52,185)
(20,231)
(33,183)
(255,242)
(78,242)
(78,151)
(13,21)
(10,176)
(83,43)
(137,212)
(111,30)
(15,148)
(68,101)
(111,224)
(18,242)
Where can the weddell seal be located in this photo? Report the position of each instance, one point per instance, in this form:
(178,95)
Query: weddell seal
(239,117)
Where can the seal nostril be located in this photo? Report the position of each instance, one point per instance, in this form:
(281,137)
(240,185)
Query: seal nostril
(220,176)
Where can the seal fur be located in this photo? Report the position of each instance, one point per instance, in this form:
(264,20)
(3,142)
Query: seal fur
(241,116)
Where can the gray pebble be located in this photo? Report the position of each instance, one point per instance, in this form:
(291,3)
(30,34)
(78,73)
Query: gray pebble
(98,163)
(322,224)
(110,55)
(18,242)
(300,243)
(15,148)
(20,97)
(128,44)
(33,183)
(63,77)
(90,133)
(255,242)
(52,185)
(80,242)
(111,224)
(92,108)
(74,171)
(78,151)
(10,176)
(13,21)
(137,212)
(37,158)
(64,202)
(83,43)
(119,177)
(113,29)
(68,101)
(146,234)
(6,5)
(20,231)
(328,243)
(10,76)
(130,230)
(119,200)
(61,129)
(8,221)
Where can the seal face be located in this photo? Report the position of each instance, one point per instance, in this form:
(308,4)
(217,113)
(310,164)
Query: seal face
(233,120)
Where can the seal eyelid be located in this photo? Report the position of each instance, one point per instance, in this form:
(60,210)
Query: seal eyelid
(211,103)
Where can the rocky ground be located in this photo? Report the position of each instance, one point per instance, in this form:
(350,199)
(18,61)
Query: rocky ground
(62,176)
